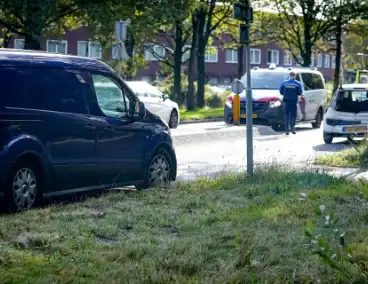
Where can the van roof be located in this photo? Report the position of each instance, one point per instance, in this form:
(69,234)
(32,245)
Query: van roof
(287,70)
(15,57)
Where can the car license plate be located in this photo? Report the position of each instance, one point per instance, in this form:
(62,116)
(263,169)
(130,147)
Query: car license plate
(355,129)
(254,115)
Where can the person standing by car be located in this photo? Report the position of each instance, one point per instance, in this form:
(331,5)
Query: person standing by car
(291,90)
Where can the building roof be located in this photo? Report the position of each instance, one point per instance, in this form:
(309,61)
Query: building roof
(14,57)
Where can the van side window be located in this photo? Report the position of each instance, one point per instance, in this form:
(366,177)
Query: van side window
(110,96)
(60,90)
(15,85)
(317,82)
(307,80)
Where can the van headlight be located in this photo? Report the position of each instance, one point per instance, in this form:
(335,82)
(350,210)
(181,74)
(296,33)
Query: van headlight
(275,104)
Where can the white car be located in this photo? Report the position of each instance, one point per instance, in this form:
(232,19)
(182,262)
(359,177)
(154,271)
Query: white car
(156,102)
(347,114)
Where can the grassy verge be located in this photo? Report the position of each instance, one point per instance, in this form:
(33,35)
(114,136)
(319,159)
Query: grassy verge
(348,158)
(210,231)
(205,113)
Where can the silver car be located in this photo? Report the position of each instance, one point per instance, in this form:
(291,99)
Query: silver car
(156,102)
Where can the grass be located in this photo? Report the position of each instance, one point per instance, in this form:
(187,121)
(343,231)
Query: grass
(204,113)
(210,231)
(348,158)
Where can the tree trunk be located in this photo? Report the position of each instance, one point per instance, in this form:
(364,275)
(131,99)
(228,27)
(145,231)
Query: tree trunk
(34,24)
(130,51)
(240,61)
(338,54)
(201,68)
(178,61)
(191,63)
(307,56)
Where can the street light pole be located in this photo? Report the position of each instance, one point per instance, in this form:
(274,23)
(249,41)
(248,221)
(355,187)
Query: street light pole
(249,114)
(244,12)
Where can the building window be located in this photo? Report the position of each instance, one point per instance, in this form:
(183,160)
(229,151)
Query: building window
(213,81)
(154,52)
(57,46)
(89,49)
(333,61)
(211,54)
(320,60)
(19,43)
(231,55)
(227,81)
(273,56)
(255,56)
(288,58)
(327,61)
(186,54)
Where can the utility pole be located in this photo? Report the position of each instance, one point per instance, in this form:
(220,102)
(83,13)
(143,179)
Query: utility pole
(244,12)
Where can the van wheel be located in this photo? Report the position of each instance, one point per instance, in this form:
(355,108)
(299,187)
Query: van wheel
(327,138)
(23,187)
(159,170)
(174,119)
(319,117)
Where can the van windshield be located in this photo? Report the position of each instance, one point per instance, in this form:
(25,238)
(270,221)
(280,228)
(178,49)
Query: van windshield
(266,80)
(352,101)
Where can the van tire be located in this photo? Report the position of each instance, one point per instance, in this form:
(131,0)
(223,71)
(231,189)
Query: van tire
(159,156)
(319,118)
(30,173)
(327,137)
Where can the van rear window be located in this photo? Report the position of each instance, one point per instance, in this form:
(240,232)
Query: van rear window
(15,85)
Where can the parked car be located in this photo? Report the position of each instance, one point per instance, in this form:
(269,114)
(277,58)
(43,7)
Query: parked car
(267,101)
(157,102)
(70,124)
(347,113)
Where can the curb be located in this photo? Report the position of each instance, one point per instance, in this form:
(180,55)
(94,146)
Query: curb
(201,120)
(259,133)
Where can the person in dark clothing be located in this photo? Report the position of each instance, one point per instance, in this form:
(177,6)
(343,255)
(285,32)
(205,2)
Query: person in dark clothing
(291,90)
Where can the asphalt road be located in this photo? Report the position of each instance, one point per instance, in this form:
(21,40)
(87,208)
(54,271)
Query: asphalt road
(216,157)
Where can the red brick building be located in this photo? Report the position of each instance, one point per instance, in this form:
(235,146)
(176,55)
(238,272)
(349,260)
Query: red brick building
(221,63)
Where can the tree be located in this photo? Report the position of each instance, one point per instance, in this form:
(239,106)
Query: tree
(171,23)
(31,18)
(263,22)
(301,24)
(209,15)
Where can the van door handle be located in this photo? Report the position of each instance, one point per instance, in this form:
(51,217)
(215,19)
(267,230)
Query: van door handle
(90,127)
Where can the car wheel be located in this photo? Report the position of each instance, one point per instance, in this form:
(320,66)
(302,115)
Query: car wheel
(318,122)
(159,170)
(327,138)
(23,187)
(174,119)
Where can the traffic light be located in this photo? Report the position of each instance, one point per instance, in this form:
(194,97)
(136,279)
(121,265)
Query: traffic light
(244,34)
(243,13)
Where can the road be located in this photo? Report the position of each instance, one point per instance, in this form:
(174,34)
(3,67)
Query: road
(215,157)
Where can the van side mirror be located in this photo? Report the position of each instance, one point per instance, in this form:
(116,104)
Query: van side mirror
(139,110)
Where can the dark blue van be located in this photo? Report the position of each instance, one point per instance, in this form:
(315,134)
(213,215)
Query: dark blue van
(70,124)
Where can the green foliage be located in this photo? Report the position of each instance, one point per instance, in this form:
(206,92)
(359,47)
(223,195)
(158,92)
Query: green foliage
(331,246)
(355,157)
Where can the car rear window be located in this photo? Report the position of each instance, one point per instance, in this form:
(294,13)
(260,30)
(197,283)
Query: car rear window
(352,101)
